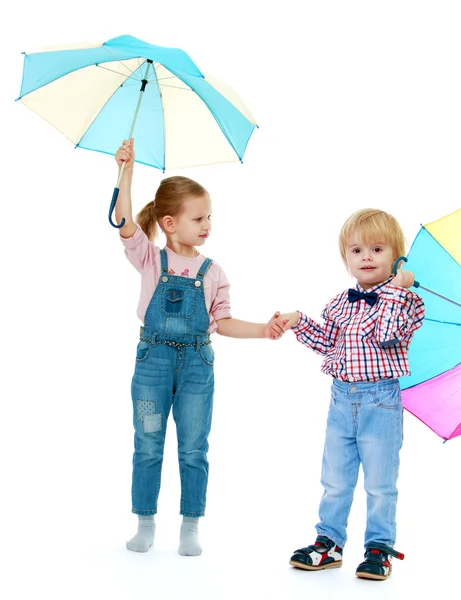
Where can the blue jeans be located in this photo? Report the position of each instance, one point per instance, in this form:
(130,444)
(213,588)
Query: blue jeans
(166,378)
(365,425)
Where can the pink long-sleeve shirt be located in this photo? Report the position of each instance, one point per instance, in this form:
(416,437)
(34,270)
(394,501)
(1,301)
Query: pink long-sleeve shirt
(145,257)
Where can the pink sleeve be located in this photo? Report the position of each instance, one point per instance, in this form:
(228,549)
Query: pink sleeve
(140,251)
(220,304)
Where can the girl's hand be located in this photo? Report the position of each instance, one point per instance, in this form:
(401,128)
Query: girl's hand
(287,320)
(125,154)
(403,279)
(272,329)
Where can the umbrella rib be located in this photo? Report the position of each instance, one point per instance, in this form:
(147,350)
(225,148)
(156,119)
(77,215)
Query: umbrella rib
(175,87)
(118,60)
(163,113)
(165,78)
(117,72)
(443,322)
(440,295)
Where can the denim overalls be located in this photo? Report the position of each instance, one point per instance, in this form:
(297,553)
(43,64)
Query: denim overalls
(174,367)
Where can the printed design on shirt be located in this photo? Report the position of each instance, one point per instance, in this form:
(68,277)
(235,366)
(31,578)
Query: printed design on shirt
(185,273)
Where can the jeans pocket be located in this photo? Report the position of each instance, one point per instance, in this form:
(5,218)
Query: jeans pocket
(390,398)
(142,351)
(207,354)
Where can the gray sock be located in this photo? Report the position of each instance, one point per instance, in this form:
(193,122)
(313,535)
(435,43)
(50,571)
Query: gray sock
(144,537)
(189,544)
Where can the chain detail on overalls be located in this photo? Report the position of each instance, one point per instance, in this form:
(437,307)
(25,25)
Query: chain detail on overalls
(176,345)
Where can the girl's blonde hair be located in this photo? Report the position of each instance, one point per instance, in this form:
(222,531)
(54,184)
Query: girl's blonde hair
(372,225)
(169,199)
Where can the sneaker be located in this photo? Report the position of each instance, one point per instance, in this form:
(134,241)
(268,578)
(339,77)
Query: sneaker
(377,563)
(324,554)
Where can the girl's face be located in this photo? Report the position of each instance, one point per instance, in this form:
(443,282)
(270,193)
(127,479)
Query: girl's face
(369,263)
(193,225)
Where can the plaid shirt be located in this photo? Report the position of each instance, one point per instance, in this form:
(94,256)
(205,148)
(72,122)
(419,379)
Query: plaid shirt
(362,342)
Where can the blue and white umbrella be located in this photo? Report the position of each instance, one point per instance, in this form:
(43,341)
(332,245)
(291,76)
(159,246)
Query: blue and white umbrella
(99,94)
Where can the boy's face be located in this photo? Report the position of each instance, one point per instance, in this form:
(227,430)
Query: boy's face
(370,263)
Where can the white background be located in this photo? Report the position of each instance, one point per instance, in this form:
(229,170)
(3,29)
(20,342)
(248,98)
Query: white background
(359,106)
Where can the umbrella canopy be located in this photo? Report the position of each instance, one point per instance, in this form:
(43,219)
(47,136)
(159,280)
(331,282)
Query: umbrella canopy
(433,390)
(90,94)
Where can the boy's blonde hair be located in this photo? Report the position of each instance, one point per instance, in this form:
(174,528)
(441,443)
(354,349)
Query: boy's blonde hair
(372,225)
(169,199)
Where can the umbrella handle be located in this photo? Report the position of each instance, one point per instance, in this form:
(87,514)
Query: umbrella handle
(396,264)
(111,209)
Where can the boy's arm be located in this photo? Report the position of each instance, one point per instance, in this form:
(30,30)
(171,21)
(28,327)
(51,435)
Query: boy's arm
(401,314)
(320,338)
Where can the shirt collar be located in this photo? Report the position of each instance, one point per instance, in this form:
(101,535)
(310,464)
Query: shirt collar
(377,288)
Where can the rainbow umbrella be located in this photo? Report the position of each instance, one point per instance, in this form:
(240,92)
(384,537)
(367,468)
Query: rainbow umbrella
(433,390)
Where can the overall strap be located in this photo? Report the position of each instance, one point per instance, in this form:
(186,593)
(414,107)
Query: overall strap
(163,261)
(203,269)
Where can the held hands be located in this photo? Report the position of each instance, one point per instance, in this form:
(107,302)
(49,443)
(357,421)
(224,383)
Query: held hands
(125,154)
(403,279)
(280,323)
(273,330)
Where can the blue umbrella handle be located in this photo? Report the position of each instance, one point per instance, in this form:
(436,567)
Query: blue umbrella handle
(396,264)
(112,207)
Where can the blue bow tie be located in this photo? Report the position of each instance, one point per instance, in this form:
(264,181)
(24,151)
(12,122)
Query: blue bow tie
(370,297)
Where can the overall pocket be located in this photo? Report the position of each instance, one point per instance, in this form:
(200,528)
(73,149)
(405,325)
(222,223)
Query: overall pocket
(207,354)
(142,351)
(178,302)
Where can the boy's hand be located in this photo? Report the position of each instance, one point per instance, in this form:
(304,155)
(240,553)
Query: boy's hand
(125,154)
(403,279)
(272,329)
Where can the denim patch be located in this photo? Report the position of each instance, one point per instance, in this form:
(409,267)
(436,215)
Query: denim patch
(144,407)
(152,422)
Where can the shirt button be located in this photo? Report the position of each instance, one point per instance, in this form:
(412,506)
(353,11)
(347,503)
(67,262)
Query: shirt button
(198,283)
(164,279)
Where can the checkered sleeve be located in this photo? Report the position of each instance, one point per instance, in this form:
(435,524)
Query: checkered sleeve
(320,338)
(401,313)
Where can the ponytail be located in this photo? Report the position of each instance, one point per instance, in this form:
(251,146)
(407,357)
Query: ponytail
(147,220)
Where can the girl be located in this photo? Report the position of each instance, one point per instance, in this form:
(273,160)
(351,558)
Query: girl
(184,298)
(365,339)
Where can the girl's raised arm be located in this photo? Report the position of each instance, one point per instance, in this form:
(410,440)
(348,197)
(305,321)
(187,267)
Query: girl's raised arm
(125,154)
